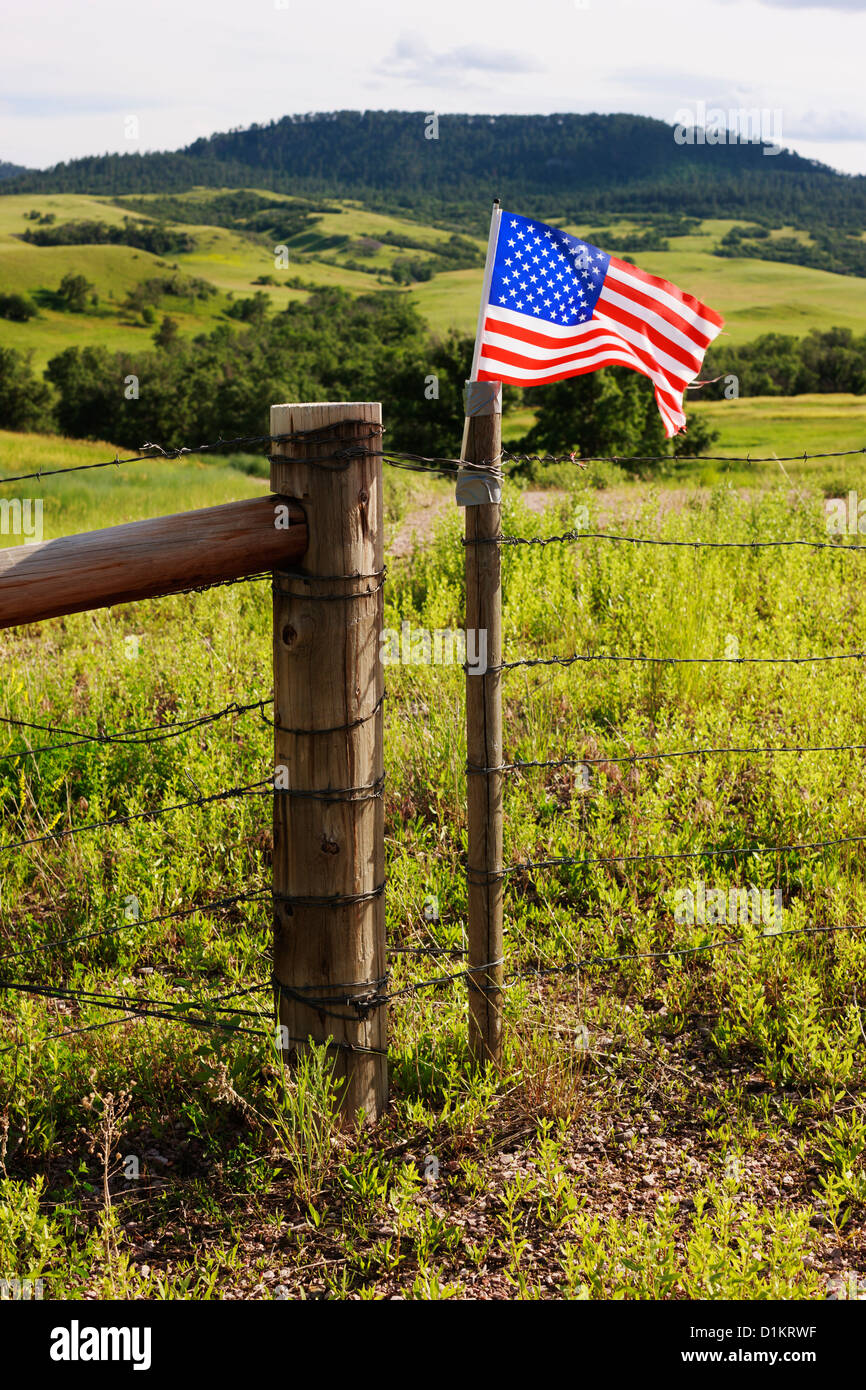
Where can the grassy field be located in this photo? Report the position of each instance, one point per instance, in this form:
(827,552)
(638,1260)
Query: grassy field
(111,496)
(684,1125)
(754,296)
(229,261)
(763,426)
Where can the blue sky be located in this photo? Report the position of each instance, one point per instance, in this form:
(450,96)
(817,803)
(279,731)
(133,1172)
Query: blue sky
(72,74)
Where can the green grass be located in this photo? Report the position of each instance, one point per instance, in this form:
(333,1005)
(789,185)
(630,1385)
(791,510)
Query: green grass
(664,1127)
(111,496)
(787,426)
(761,426)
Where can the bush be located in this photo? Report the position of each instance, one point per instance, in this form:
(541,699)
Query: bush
(74,291)
(16,307)
(25,401)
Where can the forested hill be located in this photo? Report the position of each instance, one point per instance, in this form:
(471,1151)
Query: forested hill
(9,171)
(567,164)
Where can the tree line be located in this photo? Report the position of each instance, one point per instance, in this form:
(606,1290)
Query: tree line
(778,364)
(334,346)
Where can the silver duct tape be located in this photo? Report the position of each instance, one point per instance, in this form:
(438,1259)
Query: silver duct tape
(476,489)
(483,398)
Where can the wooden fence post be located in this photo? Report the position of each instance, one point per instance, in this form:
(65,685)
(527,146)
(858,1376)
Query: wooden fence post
(329,850)
(483,442)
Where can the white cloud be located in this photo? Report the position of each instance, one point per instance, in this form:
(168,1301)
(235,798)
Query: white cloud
(412,60)
(816,4)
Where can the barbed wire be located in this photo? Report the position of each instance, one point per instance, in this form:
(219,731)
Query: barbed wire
(567,537)
(576,658)
(221,584)
(575,760)
(137,1007)
(151,452)
(375,996)
(155,452)
(347,450)
(575,457)
(133,924)
(726,943)
(420,463)
(714,852)
(126,737)
(250,789)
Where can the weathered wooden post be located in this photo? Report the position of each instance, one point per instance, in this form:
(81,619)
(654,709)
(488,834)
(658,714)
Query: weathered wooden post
(480,492)
(329,851)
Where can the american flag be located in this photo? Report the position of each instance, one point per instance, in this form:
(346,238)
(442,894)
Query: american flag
(556,307)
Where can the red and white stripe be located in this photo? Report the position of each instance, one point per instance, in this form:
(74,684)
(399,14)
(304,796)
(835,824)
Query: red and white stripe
(640,321)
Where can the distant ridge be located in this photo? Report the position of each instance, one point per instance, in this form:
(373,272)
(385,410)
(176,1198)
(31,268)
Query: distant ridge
(9,171)
(569,164)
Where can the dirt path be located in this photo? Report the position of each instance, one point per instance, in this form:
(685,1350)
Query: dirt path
(419,524)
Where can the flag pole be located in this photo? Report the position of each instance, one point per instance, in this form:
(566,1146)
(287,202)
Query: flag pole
(492,239)
(480,491)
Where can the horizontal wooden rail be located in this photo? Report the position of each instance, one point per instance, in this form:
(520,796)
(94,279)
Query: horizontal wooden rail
(147,558)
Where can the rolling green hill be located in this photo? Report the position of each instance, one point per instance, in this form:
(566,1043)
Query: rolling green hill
(352,246)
